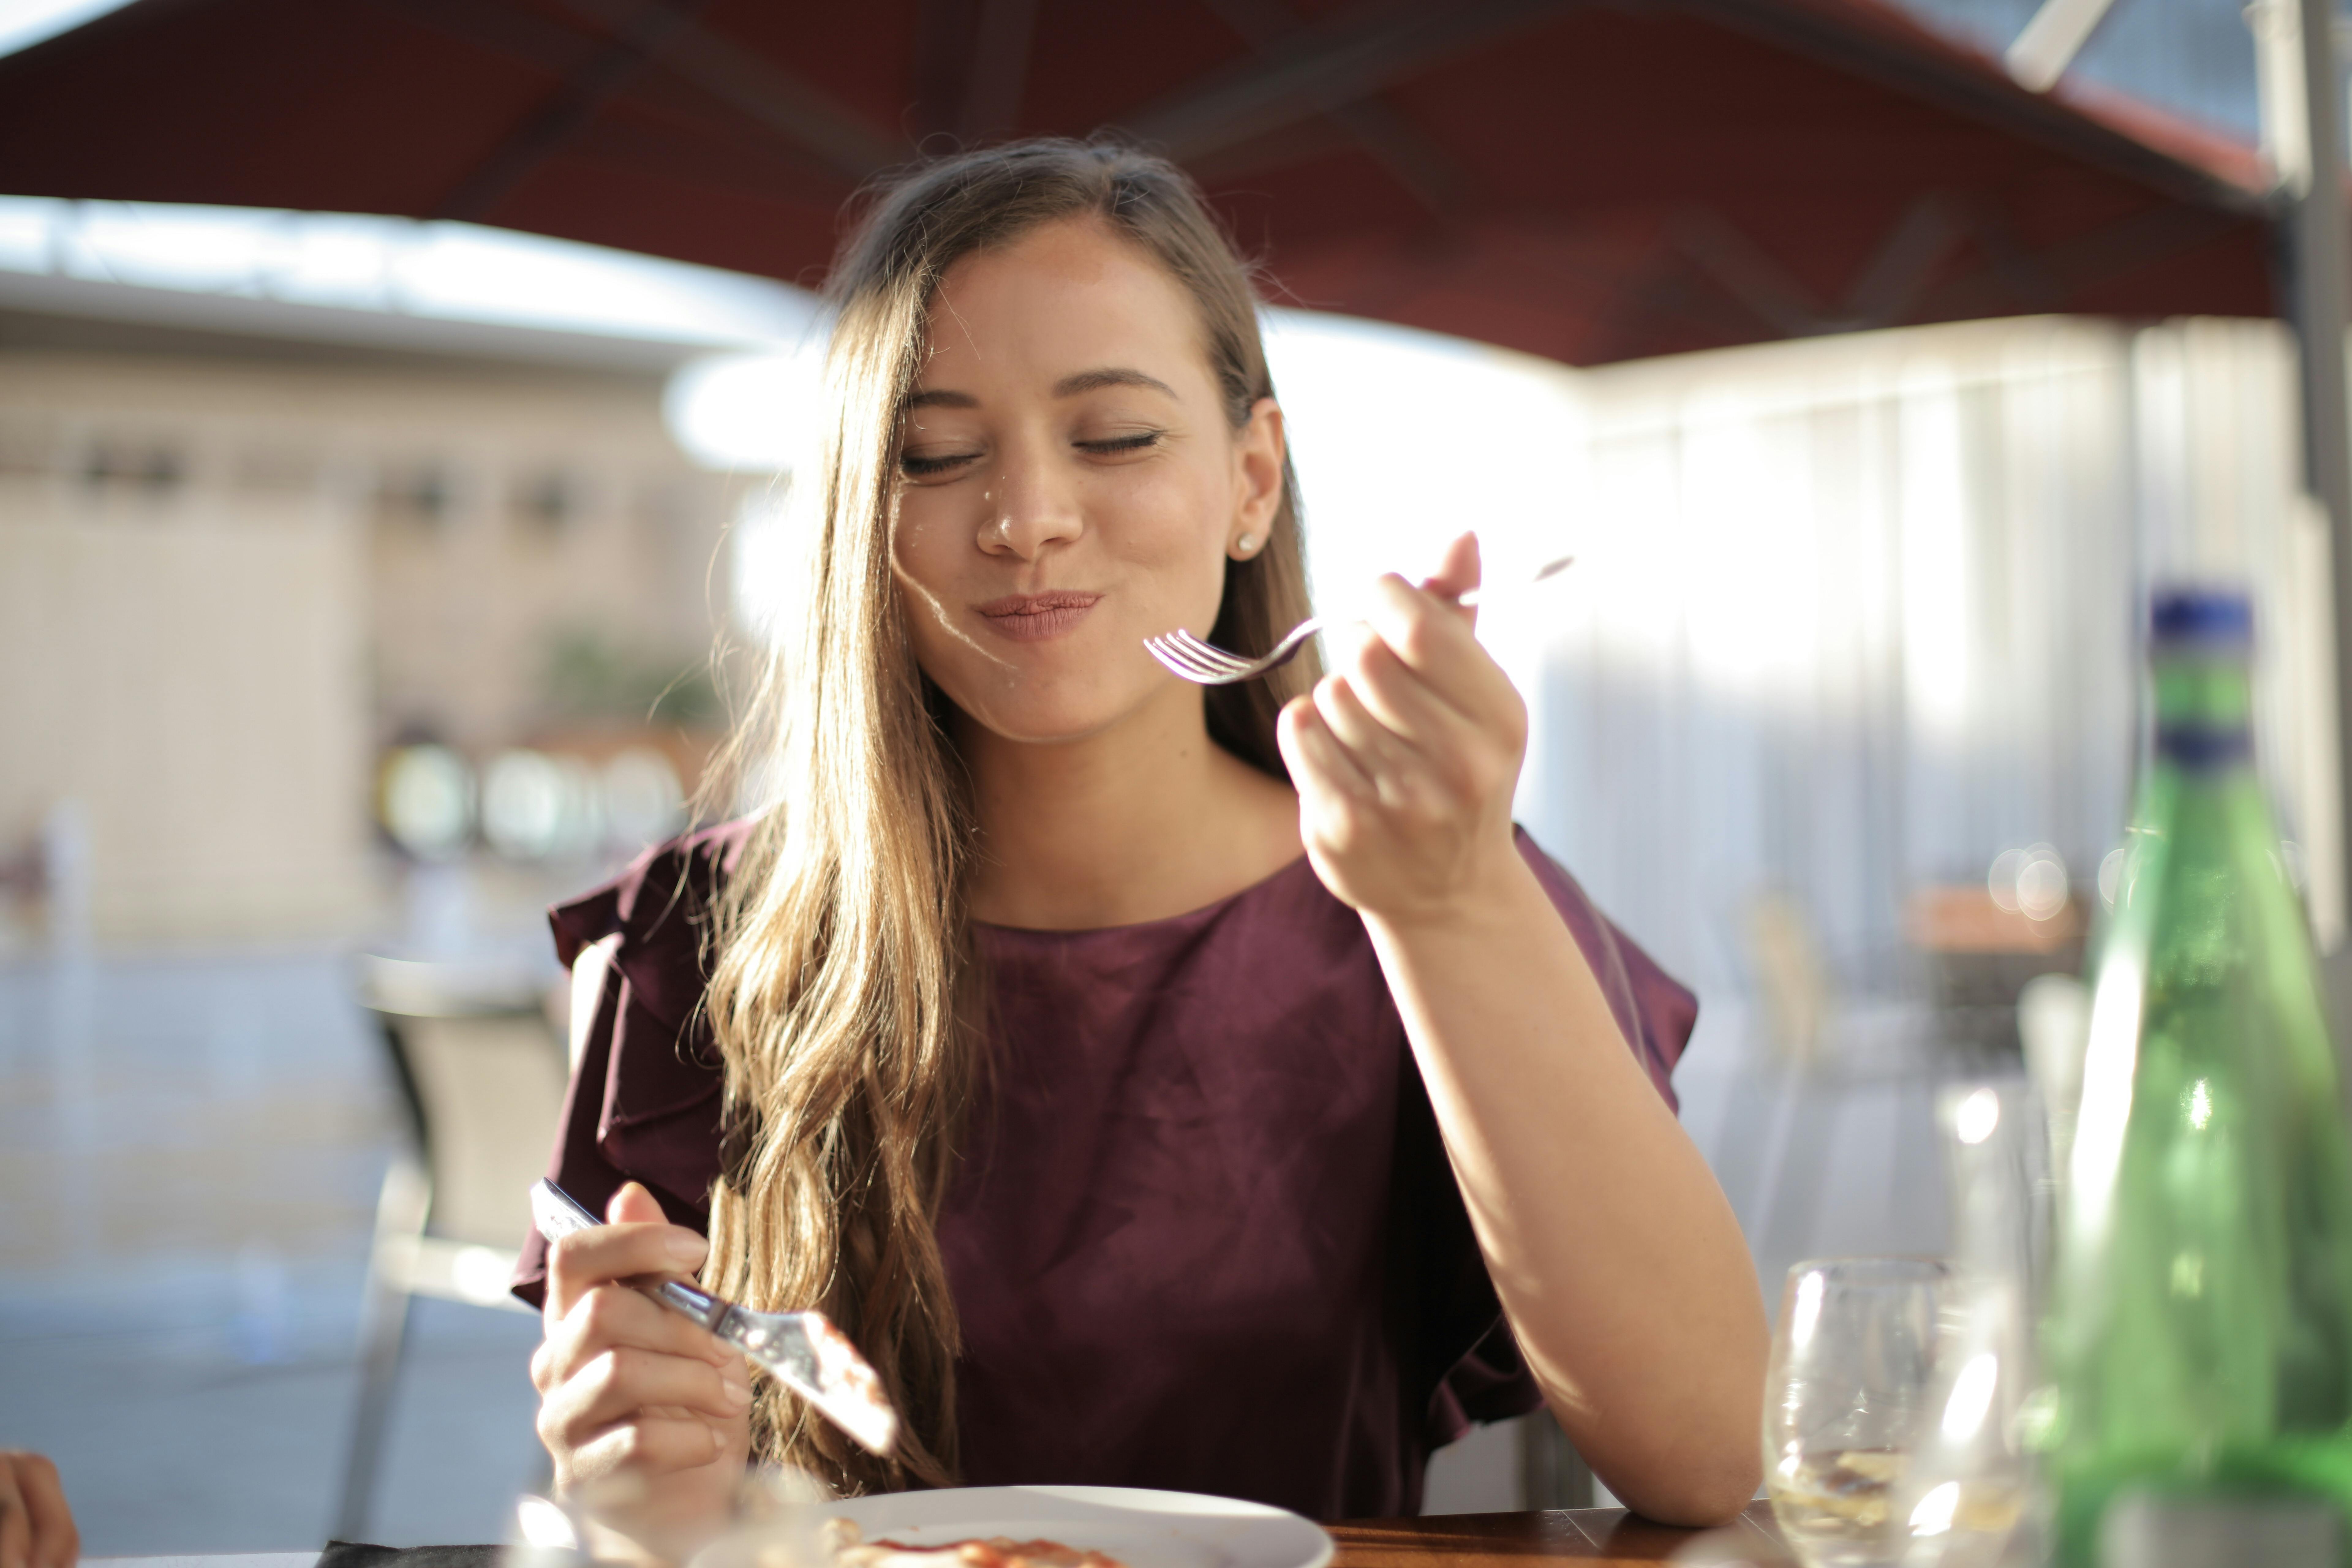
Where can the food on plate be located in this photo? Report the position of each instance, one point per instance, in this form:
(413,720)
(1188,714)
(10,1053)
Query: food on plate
(851,1550)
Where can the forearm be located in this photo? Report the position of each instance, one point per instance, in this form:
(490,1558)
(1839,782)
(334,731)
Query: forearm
(1610,1246)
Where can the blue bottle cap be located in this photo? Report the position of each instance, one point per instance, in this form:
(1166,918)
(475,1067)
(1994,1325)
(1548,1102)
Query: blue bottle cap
(2217,618)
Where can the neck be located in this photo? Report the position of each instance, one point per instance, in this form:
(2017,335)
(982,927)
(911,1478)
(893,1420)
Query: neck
(1144,819)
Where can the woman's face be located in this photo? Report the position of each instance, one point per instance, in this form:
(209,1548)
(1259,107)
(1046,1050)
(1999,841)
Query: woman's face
(1070,483)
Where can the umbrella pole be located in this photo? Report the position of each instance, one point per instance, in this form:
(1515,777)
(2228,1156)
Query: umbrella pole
(2320,257)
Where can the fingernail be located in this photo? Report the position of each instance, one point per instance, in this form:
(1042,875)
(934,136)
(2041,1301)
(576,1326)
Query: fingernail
(689,1250)
(737,1395)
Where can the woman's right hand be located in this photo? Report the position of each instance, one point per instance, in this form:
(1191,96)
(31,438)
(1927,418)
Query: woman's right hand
(647,1417)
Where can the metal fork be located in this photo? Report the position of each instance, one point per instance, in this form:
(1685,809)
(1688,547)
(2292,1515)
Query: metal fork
(1208,665)
(803,1350)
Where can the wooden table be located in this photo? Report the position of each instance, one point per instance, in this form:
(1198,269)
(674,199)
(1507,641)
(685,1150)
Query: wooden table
(1579,1535)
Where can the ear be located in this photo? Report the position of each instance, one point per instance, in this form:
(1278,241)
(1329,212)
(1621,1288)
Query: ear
(1258,452)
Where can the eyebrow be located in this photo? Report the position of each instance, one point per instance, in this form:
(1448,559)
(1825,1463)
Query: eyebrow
(1084,381)
(1096,380)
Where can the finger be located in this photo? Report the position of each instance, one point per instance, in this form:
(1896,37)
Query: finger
(1457,571)
(1439,646)
(578,1263)
(1377,749)
(651,1445)
(16,1522)
(616,1317)
(56,1542)
(1315,756)
(633,1204)
(624,1383)
(1395,696)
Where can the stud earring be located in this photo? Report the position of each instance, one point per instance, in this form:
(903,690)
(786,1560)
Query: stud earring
(1247,544)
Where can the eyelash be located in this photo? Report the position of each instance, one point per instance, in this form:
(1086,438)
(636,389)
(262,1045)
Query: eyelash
(925,468)
(1135,443)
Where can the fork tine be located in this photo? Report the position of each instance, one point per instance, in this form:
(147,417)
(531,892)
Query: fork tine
(1205,664)
(1167,652)
(1180,662)
(1191,665)
(1213,657)
(1192,653)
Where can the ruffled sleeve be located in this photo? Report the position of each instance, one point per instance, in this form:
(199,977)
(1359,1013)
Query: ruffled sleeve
(1467,1349)
(643,1103)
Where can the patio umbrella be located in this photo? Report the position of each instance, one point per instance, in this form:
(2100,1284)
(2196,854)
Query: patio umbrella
(1584,180)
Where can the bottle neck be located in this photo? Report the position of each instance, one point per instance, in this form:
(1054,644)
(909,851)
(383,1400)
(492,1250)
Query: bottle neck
(2204,707)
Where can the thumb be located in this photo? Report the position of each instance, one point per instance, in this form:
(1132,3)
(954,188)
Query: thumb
(1457,571)
(633,1205)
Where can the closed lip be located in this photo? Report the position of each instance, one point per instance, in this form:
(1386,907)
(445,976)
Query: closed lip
(1033,617)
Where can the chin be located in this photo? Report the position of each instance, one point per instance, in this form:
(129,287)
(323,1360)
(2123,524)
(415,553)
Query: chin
(1049,717)
(1049,725)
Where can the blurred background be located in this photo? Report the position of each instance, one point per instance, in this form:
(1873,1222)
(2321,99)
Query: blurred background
(397,398)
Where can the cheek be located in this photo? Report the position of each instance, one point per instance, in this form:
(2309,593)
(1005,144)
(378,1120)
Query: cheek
(1169,518)
(919,540)
(924,560)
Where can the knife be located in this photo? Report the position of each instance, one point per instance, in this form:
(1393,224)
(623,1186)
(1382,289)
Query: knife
(802,1350)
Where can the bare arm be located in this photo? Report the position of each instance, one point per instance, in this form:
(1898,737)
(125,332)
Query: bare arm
(1610,1246)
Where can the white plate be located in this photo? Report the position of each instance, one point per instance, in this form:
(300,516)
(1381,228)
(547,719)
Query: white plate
(1141,1529)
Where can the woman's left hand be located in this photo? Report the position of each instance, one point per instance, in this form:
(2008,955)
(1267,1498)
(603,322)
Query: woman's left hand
(1406,755)
(37,1528)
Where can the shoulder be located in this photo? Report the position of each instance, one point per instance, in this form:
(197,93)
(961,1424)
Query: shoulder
(660,906)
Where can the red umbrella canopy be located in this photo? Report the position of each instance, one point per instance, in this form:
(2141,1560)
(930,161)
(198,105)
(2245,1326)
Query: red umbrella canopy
(1587,182)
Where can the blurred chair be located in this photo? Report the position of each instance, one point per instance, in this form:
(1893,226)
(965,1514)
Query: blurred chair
(1980,956)
(1791,977)
(1792,1101)
(481,1074)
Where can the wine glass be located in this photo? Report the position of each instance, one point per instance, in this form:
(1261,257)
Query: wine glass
(1853,1366)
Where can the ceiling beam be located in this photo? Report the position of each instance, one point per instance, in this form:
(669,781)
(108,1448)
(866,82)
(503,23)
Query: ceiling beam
(1897,274)
(2066,270)
(1000,68)
(760,89)
(1745,271)
(1885,290)
(943,34)
(563,113)
(751,90)
(1411,156)
(524,37)
(1331,62)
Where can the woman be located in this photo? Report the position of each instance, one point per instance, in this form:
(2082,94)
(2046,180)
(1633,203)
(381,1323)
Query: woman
(1161,1086)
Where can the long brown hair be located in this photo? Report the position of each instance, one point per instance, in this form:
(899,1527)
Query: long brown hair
(844,996)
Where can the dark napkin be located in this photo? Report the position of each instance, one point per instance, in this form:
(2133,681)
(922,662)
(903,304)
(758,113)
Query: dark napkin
(357,1554)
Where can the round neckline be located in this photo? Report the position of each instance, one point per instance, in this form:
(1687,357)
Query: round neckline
(1201,913)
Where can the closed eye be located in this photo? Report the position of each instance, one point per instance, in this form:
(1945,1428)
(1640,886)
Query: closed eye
(1115,445)
(927,466)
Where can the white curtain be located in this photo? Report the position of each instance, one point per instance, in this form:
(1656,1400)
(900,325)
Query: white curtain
(1857,613)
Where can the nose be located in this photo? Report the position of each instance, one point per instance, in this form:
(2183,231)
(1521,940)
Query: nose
(1030,504)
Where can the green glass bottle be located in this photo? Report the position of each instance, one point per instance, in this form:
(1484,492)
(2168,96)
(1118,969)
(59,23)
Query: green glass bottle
(2201,1325)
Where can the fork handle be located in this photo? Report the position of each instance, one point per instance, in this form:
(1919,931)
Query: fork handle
(1468,600)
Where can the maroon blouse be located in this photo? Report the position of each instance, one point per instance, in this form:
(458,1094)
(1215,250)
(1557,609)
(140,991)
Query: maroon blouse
(1204,1235)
